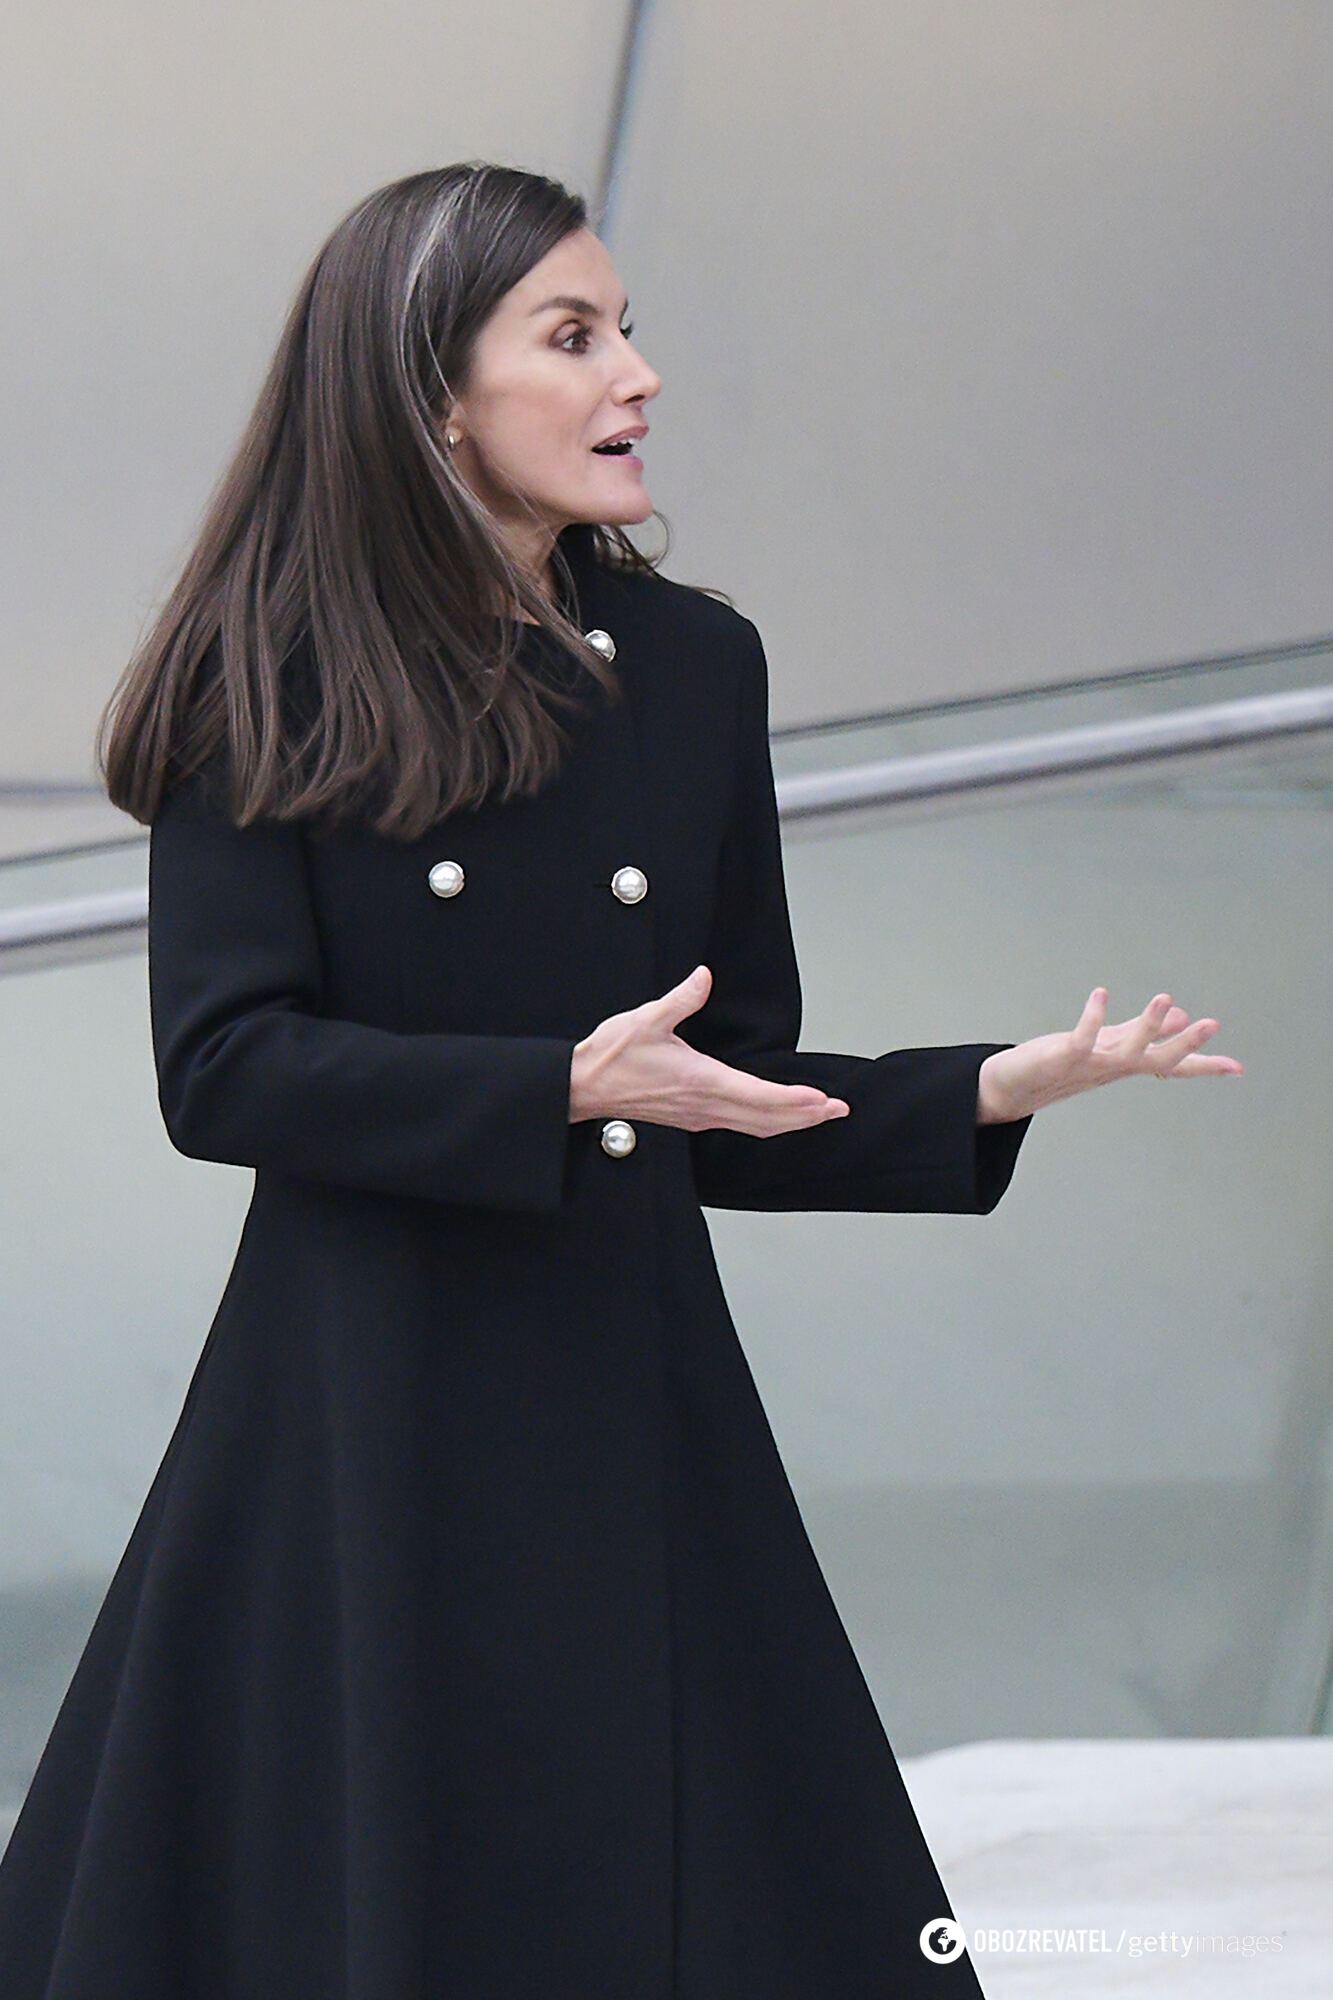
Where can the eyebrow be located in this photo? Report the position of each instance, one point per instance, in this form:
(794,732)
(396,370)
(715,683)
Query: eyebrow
(572,304)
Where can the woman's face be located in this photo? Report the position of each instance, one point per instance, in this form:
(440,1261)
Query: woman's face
(551,379)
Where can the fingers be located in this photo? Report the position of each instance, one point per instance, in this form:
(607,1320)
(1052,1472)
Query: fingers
(683,999)
(1174,1054)
(754,1105)
(1171,1056)
(1164,1016)
(1163,1039)
(1159,1031)
(1090,1021)
(1159,1014)
(1204,1066)
(1150,1024)
(734,1098)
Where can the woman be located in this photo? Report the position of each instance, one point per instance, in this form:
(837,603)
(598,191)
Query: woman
(469,1643)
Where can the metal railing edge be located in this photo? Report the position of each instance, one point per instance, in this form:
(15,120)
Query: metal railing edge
(931,774)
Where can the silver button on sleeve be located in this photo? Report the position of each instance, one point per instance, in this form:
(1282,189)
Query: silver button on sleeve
(618,1138)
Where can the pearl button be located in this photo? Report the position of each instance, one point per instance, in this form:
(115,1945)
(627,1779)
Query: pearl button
(629,884)
(446,878)
(601,642)
(618,1138)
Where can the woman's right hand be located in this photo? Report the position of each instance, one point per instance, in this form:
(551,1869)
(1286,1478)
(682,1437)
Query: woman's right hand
(634,1065)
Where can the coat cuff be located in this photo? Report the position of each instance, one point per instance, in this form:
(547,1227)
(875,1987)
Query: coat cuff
(976,1162)
(522,1159)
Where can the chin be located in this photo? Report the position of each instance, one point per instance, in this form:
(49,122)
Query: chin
(631,508)
(634,507)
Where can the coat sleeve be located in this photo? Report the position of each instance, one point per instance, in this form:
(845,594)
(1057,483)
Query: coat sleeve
(252,1071)
(910,1141)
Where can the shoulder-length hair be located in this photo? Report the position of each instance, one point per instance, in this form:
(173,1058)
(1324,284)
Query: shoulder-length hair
(334,630)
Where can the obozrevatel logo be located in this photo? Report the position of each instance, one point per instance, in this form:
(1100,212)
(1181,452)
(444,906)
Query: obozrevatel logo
(941,1940)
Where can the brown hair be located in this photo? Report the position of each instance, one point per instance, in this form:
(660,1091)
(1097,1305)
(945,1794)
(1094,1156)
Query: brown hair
(332,630)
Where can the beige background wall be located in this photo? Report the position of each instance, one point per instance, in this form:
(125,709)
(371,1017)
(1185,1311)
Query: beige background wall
(995,337)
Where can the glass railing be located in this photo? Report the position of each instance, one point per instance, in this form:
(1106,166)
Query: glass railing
(927,728)
(1067,1466)
(1070,1466)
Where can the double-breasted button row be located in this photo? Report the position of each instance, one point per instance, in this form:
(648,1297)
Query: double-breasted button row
(629,885)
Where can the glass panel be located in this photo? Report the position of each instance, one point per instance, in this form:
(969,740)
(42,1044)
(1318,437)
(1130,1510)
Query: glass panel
(38,818)
(62,876)
(1068,1465)
(1084,705)
(115,1251)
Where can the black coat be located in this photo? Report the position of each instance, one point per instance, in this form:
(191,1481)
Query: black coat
(469,1645)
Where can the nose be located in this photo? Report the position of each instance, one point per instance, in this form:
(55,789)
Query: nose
(651,382)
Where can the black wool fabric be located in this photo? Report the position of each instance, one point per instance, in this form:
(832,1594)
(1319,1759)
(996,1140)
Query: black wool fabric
(469,1644)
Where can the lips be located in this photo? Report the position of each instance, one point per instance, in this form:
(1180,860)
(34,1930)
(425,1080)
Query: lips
(625,440)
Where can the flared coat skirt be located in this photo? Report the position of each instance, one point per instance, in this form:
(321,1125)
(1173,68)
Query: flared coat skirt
(470,1644)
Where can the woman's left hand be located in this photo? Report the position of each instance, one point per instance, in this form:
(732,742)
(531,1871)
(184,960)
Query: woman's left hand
(1161,1041)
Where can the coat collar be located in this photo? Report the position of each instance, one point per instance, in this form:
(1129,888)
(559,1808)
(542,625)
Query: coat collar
(588,604)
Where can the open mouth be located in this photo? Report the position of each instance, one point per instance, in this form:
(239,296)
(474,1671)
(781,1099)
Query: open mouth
(621,450)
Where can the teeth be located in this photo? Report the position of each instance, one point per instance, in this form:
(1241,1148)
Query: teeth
(620,444)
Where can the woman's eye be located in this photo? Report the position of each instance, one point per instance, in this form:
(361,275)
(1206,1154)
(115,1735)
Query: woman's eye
(584,333)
